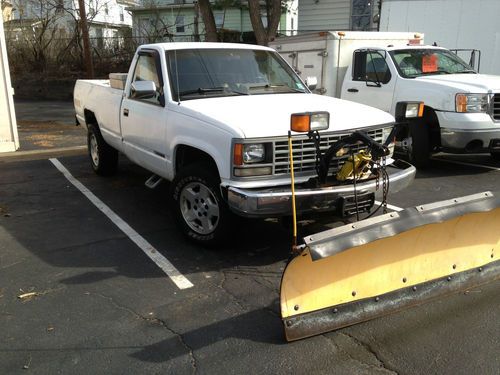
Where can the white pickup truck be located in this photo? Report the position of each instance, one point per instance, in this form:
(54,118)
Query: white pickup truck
(380,69)
(214,119)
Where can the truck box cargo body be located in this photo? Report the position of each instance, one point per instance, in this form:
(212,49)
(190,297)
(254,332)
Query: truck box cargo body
(327,55)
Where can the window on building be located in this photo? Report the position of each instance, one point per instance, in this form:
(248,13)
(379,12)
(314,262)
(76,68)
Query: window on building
(179,24)
(361,14)
(91,8)
(106,9)
(219,19)
(122,16)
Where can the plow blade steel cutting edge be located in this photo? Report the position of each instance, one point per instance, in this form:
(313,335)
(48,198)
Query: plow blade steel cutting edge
(381,265)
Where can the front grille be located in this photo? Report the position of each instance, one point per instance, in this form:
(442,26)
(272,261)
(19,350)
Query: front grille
(304,152)
(495,107)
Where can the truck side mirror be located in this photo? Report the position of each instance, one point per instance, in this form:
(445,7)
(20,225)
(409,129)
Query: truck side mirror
(143,90)
(311,82)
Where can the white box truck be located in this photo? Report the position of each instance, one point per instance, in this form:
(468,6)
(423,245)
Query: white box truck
(380,69)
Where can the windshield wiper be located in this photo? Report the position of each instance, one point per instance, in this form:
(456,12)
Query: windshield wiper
(209,90)
(268,86)
(435,72)
(467,71)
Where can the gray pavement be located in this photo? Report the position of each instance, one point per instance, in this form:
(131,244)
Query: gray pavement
(102,306)
(47,125)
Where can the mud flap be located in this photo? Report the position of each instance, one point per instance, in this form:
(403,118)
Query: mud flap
(360,271)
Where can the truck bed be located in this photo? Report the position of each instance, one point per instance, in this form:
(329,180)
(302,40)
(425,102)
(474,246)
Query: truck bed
(104,102)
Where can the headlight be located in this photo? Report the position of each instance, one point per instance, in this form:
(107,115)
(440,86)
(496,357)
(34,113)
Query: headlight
(249,153)
(472,103)
(253,153)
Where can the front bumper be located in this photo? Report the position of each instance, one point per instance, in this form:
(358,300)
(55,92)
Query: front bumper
(277,201)
(467,132)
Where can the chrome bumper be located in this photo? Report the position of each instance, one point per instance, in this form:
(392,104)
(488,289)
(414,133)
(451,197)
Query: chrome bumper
(465,139)
(277,201)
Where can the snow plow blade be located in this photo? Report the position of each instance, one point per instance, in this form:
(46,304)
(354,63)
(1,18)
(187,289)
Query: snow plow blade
(377,266)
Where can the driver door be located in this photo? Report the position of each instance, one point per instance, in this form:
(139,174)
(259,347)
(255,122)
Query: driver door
(371,81)
(144,120)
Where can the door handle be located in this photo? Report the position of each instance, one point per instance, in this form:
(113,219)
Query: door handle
(125,112)
(352,90)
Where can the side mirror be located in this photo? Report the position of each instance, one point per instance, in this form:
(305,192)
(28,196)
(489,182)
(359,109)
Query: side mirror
(311,82)
(143,90)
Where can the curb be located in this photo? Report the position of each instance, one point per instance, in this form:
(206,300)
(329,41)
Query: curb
(42,154)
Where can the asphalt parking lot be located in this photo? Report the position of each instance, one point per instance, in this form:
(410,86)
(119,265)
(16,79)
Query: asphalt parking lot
(96,303)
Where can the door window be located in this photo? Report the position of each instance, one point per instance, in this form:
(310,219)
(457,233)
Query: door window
(370,66)
(146,70)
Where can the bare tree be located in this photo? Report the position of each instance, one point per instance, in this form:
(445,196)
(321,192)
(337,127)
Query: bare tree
(265,34)
(37,27)
(208,19)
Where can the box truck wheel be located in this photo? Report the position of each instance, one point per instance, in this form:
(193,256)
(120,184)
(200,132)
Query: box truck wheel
(199,209)
(420,151)
(103,157)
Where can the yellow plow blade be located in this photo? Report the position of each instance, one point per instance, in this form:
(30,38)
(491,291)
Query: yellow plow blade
(384,264)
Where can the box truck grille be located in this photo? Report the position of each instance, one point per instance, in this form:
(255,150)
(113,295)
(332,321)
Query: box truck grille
(495,108)
(304,152)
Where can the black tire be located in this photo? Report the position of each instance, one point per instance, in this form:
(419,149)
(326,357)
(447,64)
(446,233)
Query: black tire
(419,152)
(198,207)
(103,157)
(495,155)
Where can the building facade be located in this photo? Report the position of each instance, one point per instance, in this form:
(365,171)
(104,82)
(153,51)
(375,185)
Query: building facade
(317,15)
(180,20)
(106,18)
(454,24)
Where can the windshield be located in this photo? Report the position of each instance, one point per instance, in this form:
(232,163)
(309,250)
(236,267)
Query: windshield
(413,63)
(201,73)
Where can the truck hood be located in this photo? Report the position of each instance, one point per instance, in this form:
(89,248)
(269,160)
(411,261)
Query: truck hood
(471,83)
(268,115)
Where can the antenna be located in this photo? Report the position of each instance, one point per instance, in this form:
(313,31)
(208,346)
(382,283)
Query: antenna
(176,69)
(177,79)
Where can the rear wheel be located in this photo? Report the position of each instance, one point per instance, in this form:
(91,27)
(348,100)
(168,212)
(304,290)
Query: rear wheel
(199,208)
(103,157)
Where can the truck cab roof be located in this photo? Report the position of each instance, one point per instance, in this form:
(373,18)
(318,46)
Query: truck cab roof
(202,45)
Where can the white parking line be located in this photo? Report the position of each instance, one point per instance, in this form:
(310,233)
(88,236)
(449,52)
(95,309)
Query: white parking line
(180,280)
(467,164)
(391,207)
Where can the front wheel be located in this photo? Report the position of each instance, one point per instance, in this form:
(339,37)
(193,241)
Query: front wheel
(495,155)
(419,152)
(199,209)
(103,157)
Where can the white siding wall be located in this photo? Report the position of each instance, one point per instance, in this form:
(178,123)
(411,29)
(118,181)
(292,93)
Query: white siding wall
(450,23)
(324,15)
(9,140)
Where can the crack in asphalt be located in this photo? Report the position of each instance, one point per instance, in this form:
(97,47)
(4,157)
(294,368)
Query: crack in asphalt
(159,322)
(370,350)
(237,301)
(234,297)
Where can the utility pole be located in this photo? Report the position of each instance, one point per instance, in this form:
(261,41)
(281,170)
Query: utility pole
(87,56)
